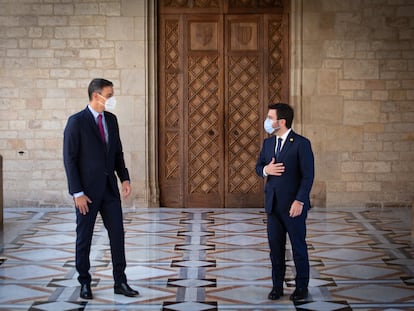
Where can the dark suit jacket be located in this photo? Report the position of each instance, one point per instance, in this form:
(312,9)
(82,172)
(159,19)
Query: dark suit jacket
(296,182)
(89,163)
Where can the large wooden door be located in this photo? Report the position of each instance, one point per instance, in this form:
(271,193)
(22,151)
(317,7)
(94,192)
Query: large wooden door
(218,69)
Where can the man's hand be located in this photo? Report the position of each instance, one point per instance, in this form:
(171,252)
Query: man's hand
(296,209)
(275,169)
(81,203)
(126,189)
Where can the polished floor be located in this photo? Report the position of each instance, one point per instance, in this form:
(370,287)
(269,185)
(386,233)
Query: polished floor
(202,260)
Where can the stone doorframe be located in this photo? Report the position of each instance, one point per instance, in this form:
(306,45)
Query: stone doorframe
(151,193)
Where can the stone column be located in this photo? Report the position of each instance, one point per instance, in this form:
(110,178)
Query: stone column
(412,220)
(1,192)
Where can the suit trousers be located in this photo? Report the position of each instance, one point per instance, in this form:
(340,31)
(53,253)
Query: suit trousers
(111,212)
(279,223)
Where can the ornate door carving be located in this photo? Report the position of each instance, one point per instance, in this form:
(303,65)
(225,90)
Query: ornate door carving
(217,74)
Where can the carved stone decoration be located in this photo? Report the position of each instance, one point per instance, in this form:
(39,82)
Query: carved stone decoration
(243,36)
(203,36)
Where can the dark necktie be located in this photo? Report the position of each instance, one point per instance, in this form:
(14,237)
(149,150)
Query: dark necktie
(278,146)
(101,128)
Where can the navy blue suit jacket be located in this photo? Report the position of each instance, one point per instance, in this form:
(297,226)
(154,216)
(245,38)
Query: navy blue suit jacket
(90,163)
(296,182)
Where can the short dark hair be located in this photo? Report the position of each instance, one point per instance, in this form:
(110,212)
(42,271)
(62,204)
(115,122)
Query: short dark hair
(96,85)
(283,111)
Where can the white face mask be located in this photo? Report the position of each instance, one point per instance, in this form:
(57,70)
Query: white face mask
(268,126)
(110,103)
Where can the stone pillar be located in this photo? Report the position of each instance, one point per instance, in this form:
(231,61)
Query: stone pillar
(412,220)
(1,193)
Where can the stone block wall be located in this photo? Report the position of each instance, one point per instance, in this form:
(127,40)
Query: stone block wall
(352,87)
(357,99)
(49,52)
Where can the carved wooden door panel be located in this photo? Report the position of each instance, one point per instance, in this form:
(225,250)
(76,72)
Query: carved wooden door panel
(217,74)
(203,120)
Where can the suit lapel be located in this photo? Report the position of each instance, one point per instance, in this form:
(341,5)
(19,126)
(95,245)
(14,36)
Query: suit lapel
(92,123)
(289,140)
(109,128)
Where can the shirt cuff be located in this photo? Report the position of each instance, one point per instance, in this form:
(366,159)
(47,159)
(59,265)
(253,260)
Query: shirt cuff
(78,194)
(264,173)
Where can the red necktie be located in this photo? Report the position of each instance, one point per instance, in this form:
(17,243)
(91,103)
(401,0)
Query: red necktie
(101,128)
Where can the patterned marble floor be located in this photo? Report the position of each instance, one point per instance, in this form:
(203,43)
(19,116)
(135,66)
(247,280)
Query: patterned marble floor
(204,260)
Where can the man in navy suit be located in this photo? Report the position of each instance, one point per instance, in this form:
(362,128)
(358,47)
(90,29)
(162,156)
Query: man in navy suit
(286,159)
(92,153)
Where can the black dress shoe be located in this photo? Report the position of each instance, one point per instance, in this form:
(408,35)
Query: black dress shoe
(85,291)
(124,289)
(275,294)
(299,294)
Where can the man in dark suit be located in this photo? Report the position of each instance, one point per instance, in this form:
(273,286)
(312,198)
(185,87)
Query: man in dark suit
(92,153)
(286,159)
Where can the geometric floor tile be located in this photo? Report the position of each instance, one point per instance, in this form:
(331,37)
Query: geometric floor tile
(241,294)
(337,239)
(106,295)
(195,259)
(348,254)
(234,216)
(44,254)
(376,293)
(140,272)
(313,282)
(66,283)
(193,263)
(13,293)
(246,241)
(190,283)
(408,280)
(194,247)
(190,306)
(239,227)
(360,271)
(31,271)
(57,305)
(323,306)
(154,227)
(242,272)
(50,239)
(243,255)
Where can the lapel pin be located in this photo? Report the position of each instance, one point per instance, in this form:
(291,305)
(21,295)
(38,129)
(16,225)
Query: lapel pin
(291,139)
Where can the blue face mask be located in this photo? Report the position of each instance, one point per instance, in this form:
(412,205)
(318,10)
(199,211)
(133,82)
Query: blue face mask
(268,126)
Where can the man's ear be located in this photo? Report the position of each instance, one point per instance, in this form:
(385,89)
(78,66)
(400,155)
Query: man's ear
(95,96)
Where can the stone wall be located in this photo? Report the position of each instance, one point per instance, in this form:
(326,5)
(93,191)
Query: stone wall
(352,86)
(357,99)
(49,52)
